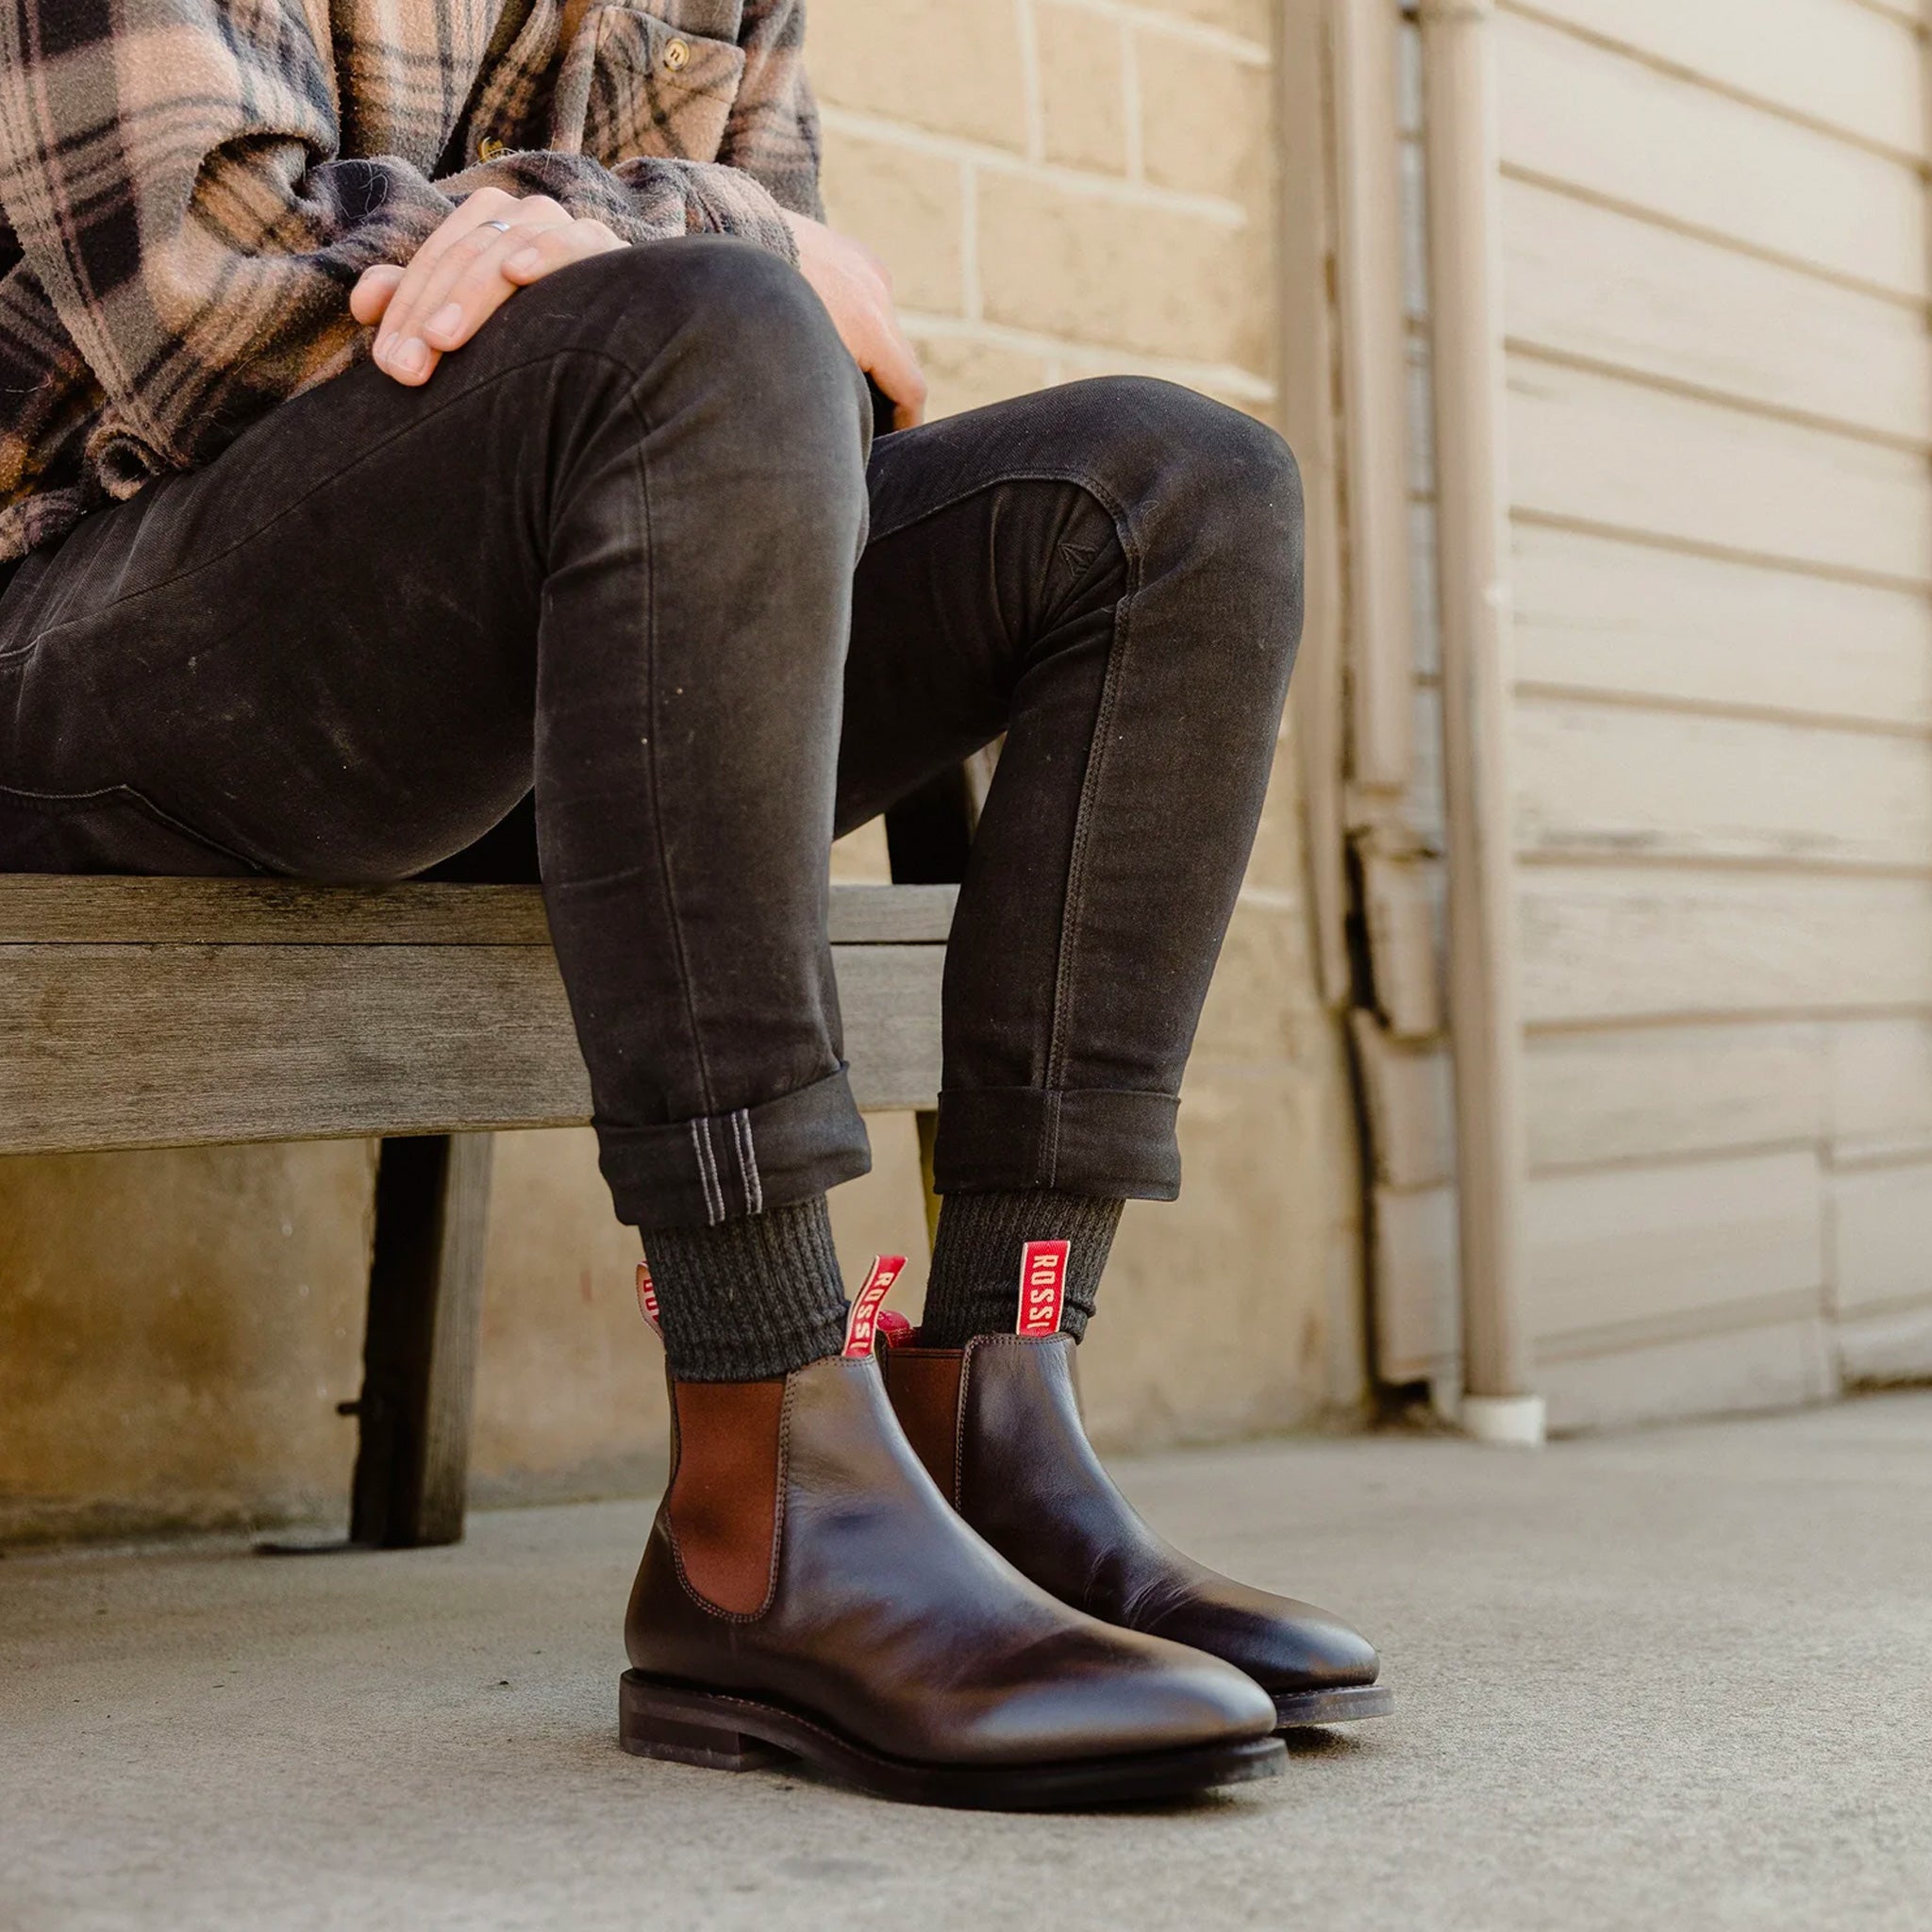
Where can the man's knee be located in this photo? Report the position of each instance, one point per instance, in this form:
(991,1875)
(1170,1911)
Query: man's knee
(1174,454)
(710,312)
(1206,493)
(721,353)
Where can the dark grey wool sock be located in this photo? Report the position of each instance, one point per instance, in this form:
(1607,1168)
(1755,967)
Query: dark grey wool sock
(975,1288)
(749,1298)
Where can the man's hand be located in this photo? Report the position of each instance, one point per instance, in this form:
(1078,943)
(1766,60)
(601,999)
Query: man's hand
(493,244)
(853,284)
(496,243)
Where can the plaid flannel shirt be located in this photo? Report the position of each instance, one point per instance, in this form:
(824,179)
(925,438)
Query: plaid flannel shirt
(189,190)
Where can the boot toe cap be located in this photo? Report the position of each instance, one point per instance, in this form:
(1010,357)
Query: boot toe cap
(1280,1643)
(1323,1653)
(1111,1698)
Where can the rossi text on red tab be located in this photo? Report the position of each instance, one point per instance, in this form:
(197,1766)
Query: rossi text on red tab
(1043,1287)
(862,1325)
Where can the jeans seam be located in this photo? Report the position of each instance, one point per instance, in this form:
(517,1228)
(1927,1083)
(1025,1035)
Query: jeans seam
(1057,473)
(651,773)
(1083,819)
(142,803)
(1080,479)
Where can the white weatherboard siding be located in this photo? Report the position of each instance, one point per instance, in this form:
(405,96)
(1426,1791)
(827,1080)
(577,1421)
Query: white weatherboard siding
(1615,128)
(1626,781)
(1714,241)
(1679,629)
(1609,453)
(1830,61)
(1617,290)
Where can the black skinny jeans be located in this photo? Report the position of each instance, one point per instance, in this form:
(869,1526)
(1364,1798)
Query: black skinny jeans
(618,549)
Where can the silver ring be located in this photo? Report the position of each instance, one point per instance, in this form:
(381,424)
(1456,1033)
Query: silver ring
(502,227)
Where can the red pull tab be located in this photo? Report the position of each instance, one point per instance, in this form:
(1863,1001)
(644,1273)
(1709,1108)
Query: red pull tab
(1043,1287)
(896,1329)
(862,1325)
(647,1298)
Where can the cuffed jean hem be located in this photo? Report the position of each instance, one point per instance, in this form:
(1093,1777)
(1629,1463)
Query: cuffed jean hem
(1082,1140)
(719,1167)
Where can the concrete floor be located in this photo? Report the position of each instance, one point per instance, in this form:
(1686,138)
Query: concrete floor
(1681,1679)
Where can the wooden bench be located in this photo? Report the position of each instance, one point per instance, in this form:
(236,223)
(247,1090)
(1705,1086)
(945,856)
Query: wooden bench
(155,1012)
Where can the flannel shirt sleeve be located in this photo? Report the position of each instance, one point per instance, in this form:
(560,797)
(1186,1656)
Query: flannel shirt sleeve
(772,134)
(171,170)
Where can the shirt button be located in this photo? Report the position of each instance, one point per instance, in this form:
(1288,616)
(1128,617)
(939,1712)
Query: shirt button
(492,150)
(677,55)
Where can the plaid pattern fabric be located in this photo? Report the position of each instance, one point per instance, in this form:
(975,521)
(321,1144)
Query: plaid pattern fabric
(189,190)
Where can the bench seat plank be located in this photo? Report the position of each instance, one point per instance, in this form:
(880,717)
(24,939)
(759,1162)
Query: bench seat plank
(146,1045)
(38,908)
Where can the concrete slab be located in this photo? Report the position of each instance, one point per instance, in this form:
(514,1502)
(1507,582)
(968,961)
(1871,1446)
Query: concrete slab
(1676,1679)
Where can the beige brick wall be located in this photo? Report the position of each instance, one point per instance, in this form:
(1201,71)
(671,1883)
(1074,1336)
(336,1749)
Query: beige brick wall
(1063,188)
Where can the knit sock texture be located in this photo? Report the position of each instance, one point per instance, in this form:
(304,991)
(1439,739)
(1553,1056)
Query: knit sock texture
(975,1288)
(749,1298)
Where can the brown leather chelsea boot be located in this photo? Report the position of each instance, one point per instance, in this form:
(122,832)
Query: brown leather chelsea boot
(998,1428)
(807,1593)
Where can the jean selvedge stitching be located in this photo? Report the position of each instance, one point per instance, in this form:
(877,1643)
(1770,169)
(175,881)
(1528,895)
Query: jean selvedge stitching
(691,1128)
(727,1124)
(716,1160)
(748,1159)
(708,1172)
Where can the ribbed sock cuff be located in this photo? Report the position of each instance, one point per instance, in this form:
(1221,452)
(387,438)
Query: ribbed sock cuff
(755,1296)
(974,1287)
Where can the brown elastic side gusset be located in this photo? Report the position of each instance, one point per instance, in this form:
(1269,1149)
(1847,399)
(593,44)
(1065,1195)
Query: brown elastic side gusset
(925,1385)
(723,1499)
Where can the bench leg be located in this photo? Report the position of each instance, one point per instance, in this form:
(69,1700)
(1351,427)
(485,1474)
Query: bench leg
(419,1359)
(927,1120)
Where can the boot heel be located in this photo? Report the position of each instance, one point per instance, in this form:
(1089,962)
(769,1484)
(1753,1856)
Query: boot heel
(672,1724)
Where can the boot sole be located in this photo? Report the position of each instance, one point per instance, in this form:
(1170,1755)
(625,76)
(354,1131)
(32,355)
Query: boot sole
(1293,1709)
(722,1732)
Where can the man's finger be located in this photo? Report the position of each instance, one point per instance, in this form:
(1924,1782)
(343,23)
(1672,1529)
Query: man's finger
(469,286)
(399,345)
(557,248)
(487,204)
(374,292)
(481,240)
(544,253)
(895,368)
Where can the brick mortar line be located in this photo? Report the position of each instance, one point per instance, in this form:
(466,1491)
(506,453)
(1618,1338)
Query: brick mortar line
(1032,85)
(1211,209)
(1216,40)
(1134,108)
(971,286)
(1229,377)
